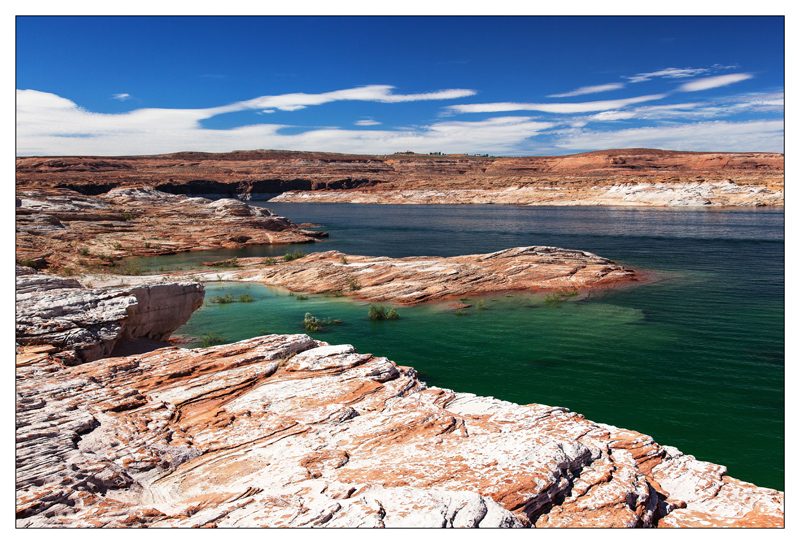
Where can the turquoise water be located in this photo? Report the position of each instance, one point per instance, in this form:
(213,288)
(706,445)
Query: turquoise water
(695,359)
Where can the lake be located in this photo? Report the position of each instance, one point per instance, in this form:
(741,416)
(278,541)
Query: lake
(695,359)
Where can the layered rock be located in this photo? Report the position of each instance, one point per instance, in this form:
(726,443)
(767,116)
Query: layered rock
(415,178)
(412,280)
(86,324)
(625,193)
(286,431)
(63,229)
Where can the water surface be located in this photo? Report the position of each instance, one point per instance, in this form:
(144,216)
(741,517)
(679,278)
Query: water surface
(696,360)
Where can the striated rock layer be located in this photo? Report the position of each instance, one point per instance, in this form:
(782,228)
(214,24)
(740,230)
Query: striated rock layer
(86,324)
(680,178)
(59,228)
(286,431)
(412,280)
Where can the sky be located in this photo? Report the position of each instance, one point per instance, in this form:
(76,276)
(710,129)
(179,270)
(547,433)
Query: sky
(507,86)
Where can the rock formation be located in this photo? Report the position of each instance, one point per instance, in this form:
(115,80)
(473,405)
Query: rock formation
(64,229)
(86,324)
(412,280)
(585,178)
(286,431)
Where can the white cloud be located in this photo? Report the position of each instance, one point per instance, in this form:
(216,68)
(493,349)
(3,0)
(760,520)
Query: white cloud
(50,125)
(713,82)
(579,107)
(121,96)
(367,122)
(589,90)
(765,136)
(370,93)
(669,73)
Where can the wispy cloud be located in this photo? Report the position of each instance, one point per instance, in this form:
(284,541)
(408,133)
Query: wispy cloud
(48,124)
(590,90)
(668,73)
(578,107)
(766,136)
(369,93)
(713,82)
(121,97)
(367,122)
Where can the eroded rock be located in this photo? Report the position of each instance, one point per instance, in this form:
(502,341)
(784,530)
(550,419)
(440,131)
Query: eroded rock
(285,431)
(86,324)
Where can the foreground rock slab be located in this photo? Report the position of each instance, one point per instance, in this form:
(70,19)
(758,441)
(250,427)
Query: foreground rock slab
(286,431)
(413,280)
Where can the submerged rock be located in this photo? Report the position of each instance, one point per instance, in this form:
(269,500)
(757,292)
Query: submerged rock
(286,431)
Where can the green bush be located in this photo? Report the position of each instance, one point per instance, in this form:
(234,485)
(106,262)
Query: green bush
(83,251)
(298,253)
(245,298)
(335,294)
(127,216)
(461,313)
(211,339)
(312,324)
(353,284)
(269,261)
(343,260)
(380,313)
(301,297)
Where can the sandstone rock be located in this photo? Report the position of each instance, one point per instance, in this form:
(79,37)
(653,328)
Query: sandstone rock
(383,178)
(412,280)
(87,323)
(285,431)
(80,232)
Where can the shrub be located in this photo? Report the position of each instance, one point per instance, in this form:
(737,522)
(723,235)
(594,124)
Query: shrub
(117,245)
(353,284)
(127,216)
(311,323)
(298,253)
(302,297)
(211,339)
(226,298)
(245,298)
(147,245)
(343,260)
(335,294)
(380,313)
(83,251)
(481,305)
(461,313)
(269,261)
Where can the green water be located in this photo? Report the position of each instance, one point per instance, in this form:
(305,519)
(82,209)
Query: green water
(695,359)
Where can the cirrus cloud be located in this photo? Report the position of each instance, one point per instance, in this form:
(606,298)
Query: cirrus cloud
(713,82)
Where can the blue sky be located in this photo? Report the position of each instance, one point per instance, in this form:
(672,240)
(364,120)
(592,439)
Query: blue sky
(497,85)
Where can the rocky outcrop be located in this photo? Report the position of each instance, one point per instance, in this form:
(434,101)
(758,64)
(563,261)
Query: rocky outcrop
(412,280)
(286,431)
(414,178)
(59,228)
(85,324)
(642,193)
